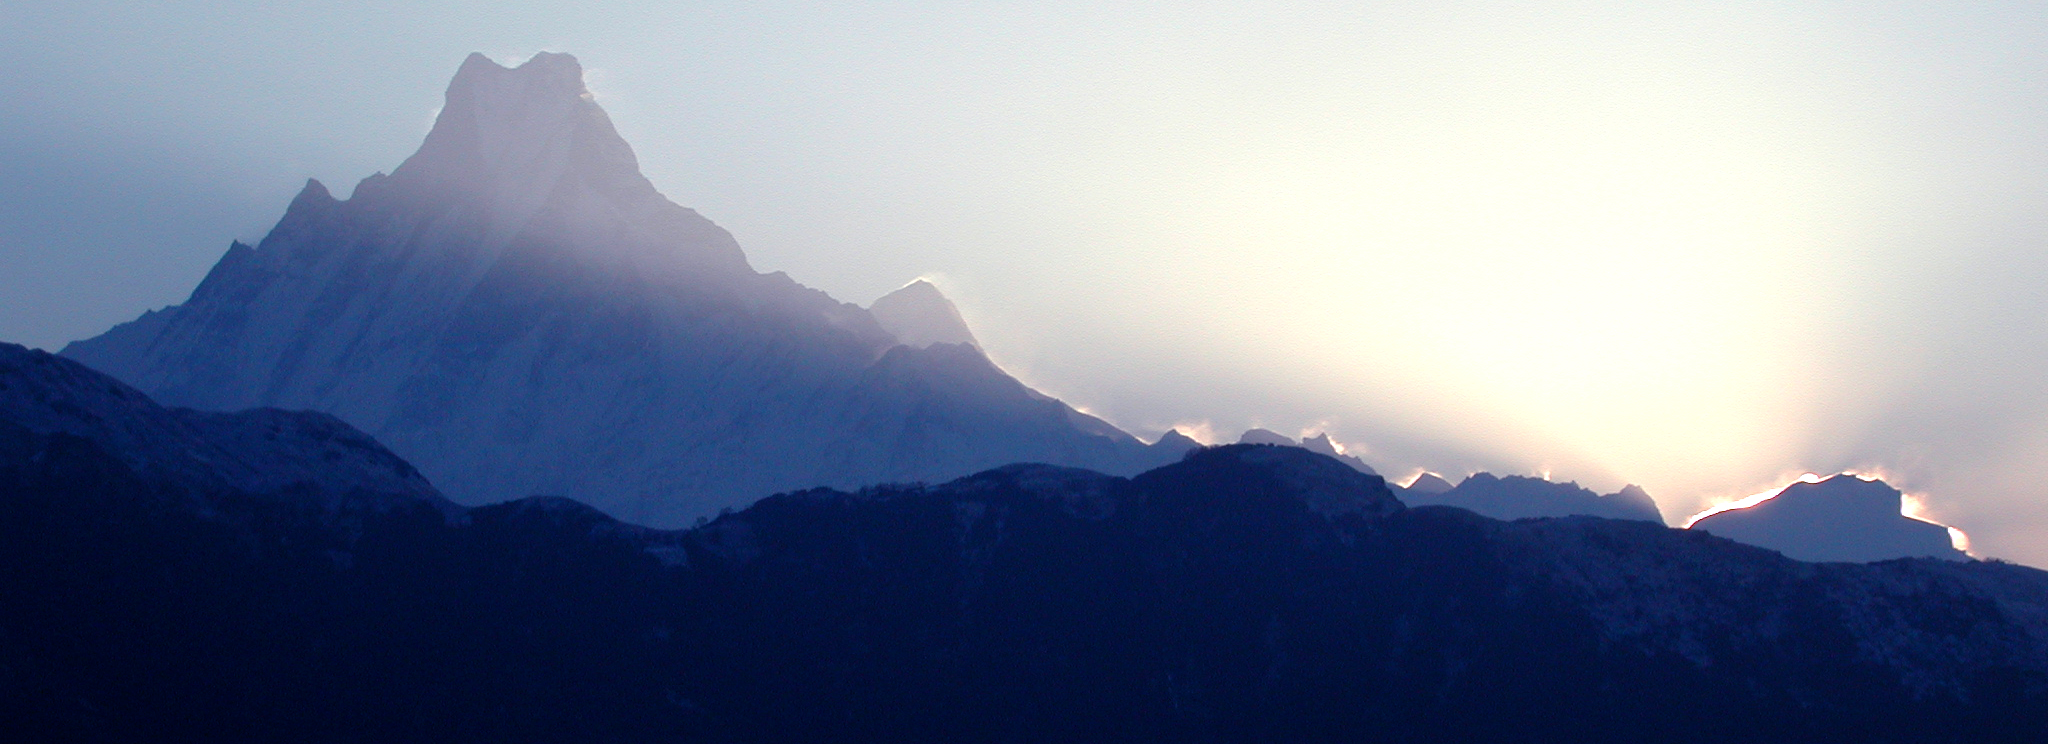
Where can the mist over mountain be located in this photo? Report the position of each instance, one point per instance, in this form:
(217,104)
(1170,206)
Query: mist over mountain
(1522,497)
(516,310)
(1428,483)
(1175,444)
(1246,593)
(1839,518)
(918,315)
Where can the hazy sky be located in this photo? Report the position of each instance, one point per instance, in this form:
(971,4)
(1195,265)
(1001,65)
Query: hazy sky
(1701,247)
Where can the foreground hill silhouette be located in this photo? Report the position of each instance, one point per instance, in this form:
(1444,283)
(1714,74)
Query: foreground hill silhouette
(516,310)
(155,591)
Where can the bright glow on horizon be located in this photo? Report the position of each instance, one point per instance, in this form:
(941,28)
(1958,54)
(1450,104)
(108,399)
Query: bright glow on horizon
(1748,501)
(1961,541)
(1200,430)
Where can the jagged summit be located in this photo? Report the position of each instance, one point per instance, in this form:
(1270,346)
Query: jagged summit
(919,315)
(1429,483)
(1840,518)
(1523,497)
(527,153)
(1320,444)
(498,123)
(516,310)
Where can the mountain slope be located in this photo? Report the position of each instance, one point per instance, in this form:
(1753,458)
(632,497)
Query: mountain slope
(258,451)
(516,310)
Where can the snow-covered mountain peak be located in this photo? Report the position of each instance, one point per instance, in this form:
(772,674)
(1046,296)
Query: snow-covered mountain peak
(516,310)
(518,122)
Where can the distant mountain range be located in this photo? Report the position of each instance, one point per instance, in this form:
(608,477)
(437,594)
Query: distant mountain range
(1513,497)
(516,310)
(170,575)
(1521,497)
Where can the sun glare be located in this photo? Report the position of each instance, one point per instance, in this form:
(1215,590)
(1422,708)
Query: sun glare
(1960,540)
(1200,430)
(1748,501)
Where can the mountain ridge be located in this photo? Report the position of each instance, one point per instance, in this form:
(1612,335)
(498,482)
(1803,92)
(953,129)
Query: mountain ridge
(517,310)
(1244,593)
(1520,497)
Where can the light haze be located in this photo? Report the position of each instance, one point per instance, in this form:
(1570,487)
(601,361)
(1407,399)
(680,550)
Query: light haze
(1703,248)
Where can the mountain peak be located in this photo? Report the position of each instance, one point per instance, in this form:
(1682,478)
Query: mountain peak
(522,126)
(1839,518)
(560,68)
(1429,483)
(516,310)
(1176,442)
(1266,436)
(547,79)
(1320,444)
(919,315)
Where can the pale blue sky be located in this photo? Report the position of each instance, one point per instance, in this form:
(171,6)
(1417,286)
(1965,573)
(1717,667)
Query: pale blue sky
(1702,247)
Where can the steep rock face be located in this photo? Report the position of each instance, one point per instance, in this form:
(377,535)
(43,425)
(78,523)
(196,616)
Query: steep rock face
(1842,518)
(516,310)
(1521,497)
